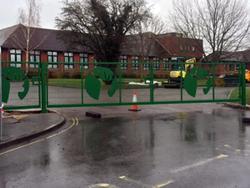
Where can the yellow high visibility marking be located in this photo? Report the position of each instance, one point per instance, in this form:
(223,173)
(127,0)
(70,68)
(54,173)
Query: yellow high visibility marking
(74,123)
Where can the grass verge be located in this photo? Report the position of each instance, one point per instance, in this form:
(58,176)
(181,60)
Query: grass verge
(235,94)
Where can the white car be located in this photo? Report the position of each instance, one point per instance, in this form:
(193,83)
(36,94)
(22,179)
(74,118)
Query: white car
(155,83)
(146,83)
(137,83)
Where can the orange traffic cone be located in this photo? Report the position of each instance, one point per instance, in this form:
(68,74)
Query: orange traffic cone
(134,107)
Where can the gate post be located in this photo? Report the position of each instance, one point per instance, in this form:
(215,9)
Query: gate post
(151,73)
(43,86)
(243,84)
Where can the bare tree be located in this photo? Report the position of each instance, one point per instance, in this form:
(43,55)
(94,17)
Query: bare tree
(223,24)
(148,31)
(29,17)
(104,22)
(145,35)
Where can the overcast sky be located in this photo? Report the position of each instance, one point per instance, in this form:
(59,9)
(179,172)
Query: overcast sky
(51,8)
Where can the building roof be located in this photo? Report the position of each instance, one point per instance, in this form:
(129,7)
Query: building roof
(41,39)
(5,33)
(179,46)
(143,45)
(243,56)
(146,44)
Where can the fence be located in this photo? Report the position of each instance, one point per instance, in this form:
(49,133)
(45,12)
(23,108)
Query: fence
(107,84)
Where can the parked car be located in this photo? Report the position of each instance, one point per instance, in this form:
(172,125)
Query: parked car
(146,83)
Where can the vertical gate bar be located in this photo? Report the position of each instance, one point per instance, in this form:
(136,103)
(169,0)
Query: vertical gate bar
(120,82)
(43,87)
(81,72)
(213,70)
(1,118)
(151,83)
(243,84)
(46,81)
(181,89)
(240,83)
(39,83)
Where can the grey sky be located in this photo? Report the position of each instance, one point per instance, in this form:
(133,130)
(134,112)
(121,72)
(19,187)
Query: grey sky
(51,8)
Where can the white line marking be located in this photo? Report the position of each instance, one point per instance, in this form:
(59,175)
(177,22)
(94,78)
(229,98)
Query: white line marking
(40,140)
(200,163)
(164,184)
(145,185)
(135,182)
(77,121)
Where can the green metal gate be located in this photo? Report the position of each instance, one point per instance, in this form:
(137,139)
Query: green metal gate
(21,85)
(112,84)
(106,84)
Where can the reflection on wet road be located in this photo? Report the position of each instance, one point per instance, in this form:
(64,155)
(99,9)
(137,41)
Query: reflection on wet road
(160,150)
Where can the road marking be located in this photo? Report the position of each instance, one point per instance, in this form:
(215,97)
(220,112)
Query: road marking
(164,184)
(134,181)
(200,163)
(145,185)
(77,121)
(64,130)
(227,146)
(42,139)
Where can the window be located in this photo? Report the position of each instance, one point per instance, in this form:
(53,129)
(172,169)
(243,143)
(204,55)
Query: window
(124,62)
(237,66)
(146,63)
(68,61)
(84,60)
(34,59)
(166,65)
(135,62)
(231,67)
(176,67)
(193,49)
(15,58)
(156,63)
(52,59)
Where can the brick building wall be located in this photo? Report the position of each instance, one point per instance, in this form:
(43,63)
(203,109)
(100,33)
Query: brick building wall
(61,71)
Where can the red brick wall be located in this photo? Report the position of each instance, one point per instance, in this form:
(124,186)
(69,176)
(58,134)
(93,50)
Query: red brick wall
(43,56)
(5,55)
(76,71)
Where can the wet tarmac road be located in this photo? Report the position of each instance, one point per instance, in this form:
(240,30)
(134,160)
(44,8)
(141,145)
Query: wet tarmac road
(192,149)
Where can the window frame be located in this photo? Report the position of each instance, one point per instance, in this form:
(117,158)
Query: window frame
(69,60)
(17,55)
(34,59)
(52,59)
(84,60)
(166,64)
(123,62)
(231,67)
(135,63)
(156,63)
(146,64)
